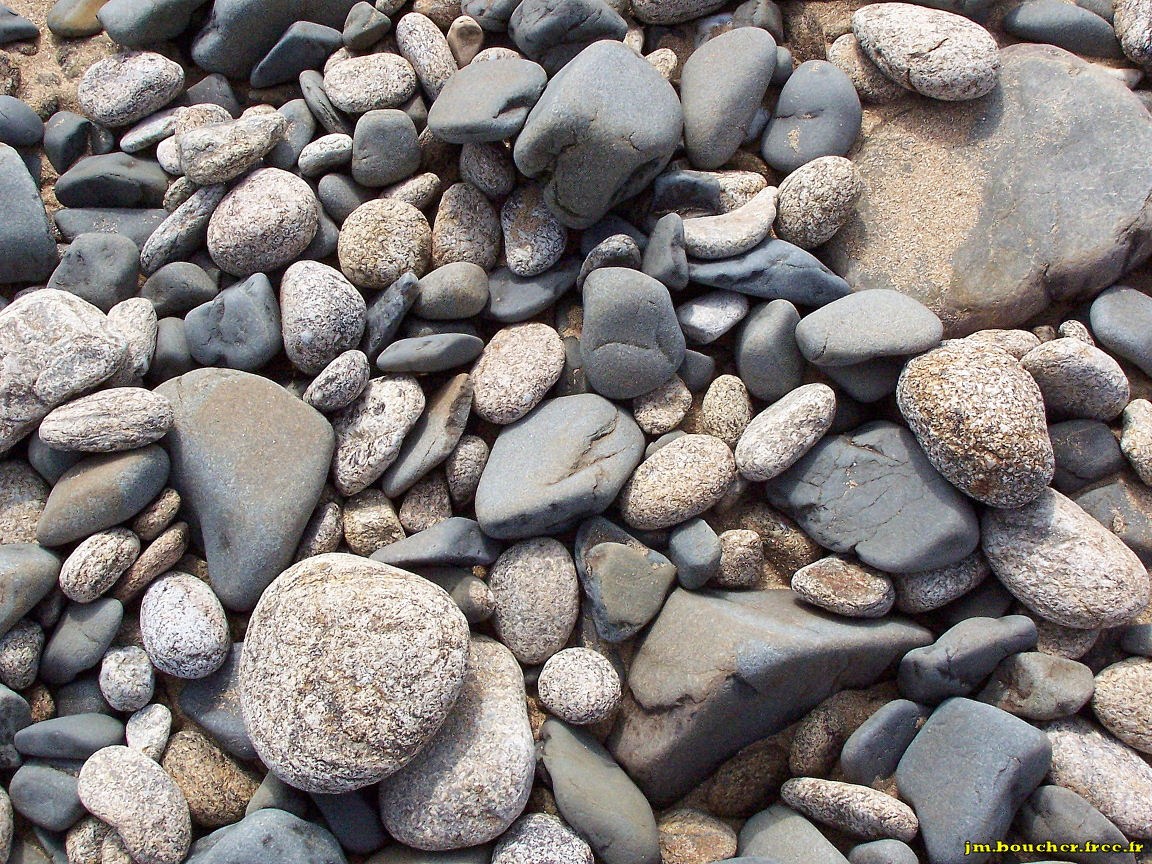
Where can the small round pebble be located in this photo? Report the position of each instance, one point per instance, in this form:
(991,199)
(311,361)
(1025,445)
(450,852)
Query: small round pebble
(579,686)
(381,240)
(706,318)
(371,82)
(466,228)
(815,200)
(726,409)
(534,239)
(216,788)
(662,409)
(370,522)
(932,589)
(1077,379)
(184,627)
(126,678)
(741,559)
(518,366)
(97,562)
(690,836)
(120,418)
(147,730)
(264,222)
(845,587)
(541,838)
(680,480)
(127,87)
(463,468)
(537,598)
(1136,438)
(20,651)
(1122,701)
(322,315)
(340,382)
(784,431)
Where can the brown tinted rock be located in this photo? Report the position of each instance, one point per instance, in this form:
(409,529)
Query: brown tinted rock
(216,787)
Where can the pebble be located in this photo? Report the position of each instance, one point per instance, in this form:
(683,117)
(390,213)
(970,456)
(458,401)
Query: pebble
(1120,701)
(160,556)
(370,522)
(664,408)
(519,365)
(781,829)
(184,627)
(935,588)
(533,238)
(117,419)
(679,481)
(97,562)
(20,651)
(873,750)
(936,53)
(99,268)
(426,504)
(45,796)
(82,635)
(134,795)
(1136,438)
(466,228)
(1077,379)
(126,678)
(423,45)
(1064,565)
(580,686)
(23,494)
(458,290)
(357,739)
(326,153)
(487,101)
(966,654)
(1055,814)
(815,200)
(181,232)
(465,38)
(464,467)
(1071,27)
(239,328)
(817,114)
(773,270)
(382,240)
(859,810)
(1109,775)
(537,598)
(1085,451)
(385,149)
(370,431)
(472,781)
(29,572)
(845,588)
(295,841)
(220,152)
(263,223)
(778,436)
(554,35)
(1118,317)
(216,788)
(689,836)
(872,84)
(322,315)
(368,83)
(364,26)
(741,559)
(540,838)
(147,730)
(1038,686)
(122,89)
(706,318)
(980,419)
(16,28)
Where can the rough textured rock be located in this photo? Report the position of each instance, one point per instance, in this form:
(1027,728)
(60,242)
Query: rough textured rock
(369,432)
(183,627)
(23,494)
(537,598)
(469,784)
(697,671)
(263,223)
(120,418)
(313,721)
(979,206)
(680,480)
(229,426)
(1120,701)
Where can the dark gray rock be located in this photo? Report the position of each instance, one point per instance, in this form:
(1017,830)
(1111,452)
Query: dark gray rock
(82,696)
(239,32)
(386,311)
(20,126)
(353,821)
(694,549)
(1121,319)
(882,852)
(972,270)
(513,298)
(721,87)
(873,751)
(664,257)
(555,31)
(385,149)
(597,798)
(77,736)
(704,687)
(1065,25)
(434,436)
(14,716)
(1124,507)
(101,491)
(100,268)
(966,772)
(340,195)
(453,291)
(1053,814)
(566,460)
(27,246)
(114,180)
(959,661)
(365,26)
(487,101)
(138,23)
(213,702)
(178,288)
(320,106)
(766,353)
(214,89)
(873,491)
(455,541)
(239,328)
(865,326)
(492,15)
(28,572)
(66,139)
(631,342)
(781,834)
(304,45)
(625,121)
(134,223)
(229,427)
(696,370)
(1085,451)
(435,353)
(172,356)
(80,639)
(268,836)
(774,270)
(817,114)
(46,797)
(301,127)
(15,28)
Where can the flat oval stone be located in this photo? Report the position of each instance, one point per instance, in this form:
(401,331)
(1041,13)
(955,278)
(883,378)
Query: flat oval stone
(435,353)
(979,416)
(518,367)
(183,626)
(1120,317)
(1067,25)
(120,418)
(322,315)
(125,88)
(773,270)
(370,82)
(566,460)
(817,114)
(314,717)
(369,432)
(721,87)
(867,325)
(487,101)
(1120,702)
(874,492)
(844,588)
(785,431)
(1063,564)
(680,480)
(263,223)
(76,736)
(935,53)
(295,841)
(1077,379)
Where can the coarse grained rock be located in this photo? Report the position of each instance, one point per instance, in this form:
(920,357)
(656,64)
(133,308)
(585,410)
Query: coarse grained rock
(705,685)
(229,427)
(995,239)
(53,346)
(349,667)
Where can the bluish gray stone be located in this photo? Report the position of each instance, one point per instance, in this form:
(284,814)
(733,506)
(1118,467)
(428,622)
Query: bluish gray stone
(268,837)
(882,852)
(77,736)
(865,326)
(14,716)
(1065,25)
(1085,451)
(46,797)
(817,114)
(353,821)
(774,270)
(28,572)
(513,298)
(178,288)
(365,26)
(487,101)
(134,223)
(1053,814)
(385,149)
(239,328)
(555,31)
(766,354)
(1123,506)
(66,139)
(873,492)
(20,126)
(781,834)
(455,541)
(301,127)
(100,268)
(304,45)
(15,28)
(80,639)
(705,686)
(101,491)
(27,246)
(695,550)
(321,107)
(492,15)
(213,702)
(565,460)
(386,311)
(873,751)
(114,180)
(664,257)
(453,291)
(138,23)
(1121,320)
(435,353)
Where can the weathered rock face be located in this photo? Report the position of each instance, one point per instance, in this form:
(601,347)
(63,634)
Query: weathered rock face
(720,670)
(952,216)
